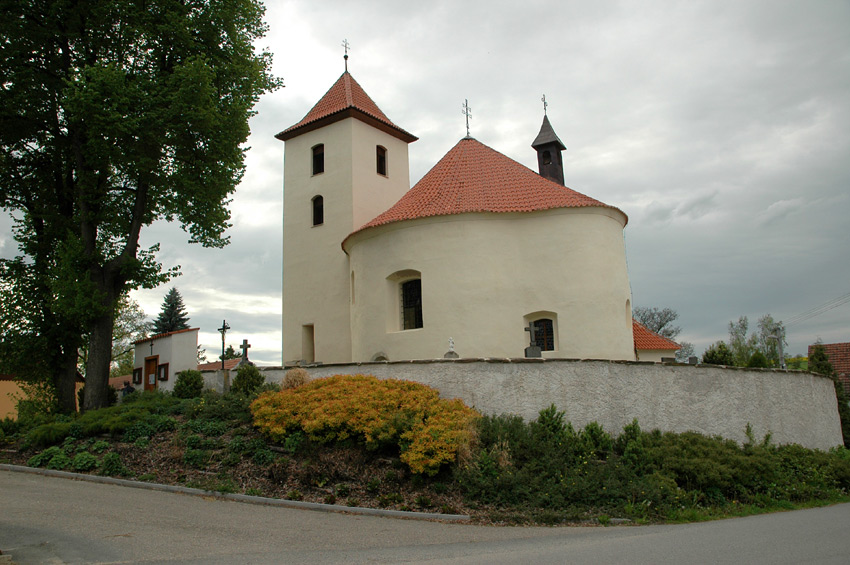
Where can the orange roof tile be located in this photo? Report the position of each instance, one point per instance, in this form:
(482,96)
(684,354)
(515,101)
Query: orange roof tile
(215,365)
(648,339)
(346,98)
(472,177)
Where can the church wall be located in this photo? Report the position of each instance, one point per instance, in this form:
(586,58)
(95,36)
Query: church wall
(315,270)
(793,406)
(483,273)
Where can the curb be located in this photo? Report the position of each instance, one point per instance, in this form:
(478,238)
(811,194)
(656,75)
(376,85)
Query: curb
(259,500)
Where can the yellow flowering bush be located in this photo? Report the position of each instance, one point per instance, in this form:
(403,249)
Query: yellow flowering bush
(427,429)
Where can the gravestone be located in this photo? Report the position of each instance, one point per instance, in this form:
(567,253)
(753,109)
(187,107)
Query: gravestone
(533,350)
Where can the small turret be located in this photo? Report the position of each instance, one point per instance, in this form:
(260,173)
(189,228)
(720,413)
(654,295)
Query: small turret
(549,148)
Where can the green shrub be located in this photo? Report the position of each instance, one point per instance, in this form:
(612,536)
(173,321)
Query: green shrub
(189,384)
(100,446)
(48,434)
(43,458)
(84,461)
(213,428)
(59,461)
(137,430)
(197,458)
(263,457)
(112,466)
(248,380)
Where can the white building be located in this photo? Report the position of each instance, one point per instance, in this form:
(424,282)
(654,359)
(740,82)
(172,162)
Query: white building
(479,249)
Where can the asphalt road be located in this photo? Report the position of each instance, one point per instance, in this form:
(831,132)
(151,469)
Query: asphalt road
(57,520)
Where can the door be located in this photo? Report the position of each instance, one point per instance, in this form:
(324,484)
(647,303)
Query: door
(150,372)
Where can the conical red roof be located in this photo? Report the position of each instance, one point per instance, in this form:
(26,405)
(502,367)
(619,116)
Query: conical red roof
(346,98)
(472,177)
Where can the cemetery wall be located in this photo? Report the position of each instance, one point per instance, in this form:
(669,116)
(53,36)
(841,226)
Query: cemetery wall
(792,406)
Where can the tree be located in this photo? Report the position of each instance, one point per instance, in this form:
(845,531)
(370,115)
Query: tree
(658,320)
(718,354)
(741,346)
(231,353)
(819,363)
(765,340)
(173,316)
(114,114)
(130,325)
(685,351)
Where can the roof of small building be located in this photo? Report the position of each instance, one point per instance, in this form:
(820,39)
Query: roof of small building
(646,339)
(346,98)
(214,365)
(472,177)
(160,336)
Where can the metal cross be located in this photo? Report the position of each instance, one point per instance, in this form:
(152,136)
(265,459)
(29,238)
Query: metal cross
(347,46)
(244,347)
(467,111)
(532,329)
(545,104)
(223,329)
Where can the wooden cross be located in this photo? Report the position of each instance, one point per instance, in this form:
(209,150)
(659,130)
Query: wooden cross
(467,111)
(545,104)
(244,347)
(347,46)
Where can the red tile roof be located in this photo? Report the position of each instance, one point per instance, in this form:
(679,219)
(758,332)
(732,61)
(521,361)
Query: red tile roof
(472,177)
(648,339)
(160,336)
(346,98)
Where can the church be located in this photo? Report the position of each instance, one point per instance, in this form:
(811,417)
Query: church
(482,258)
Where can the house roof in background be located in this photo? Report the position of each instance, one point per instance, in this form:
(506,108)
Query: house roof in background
(646,339)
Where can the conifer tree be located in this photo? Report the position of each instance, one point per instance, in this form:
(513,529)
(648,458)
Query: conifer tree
(173,315)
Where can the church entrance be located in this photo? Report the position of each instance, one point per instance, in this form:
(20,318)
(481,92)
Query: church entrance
(150,372)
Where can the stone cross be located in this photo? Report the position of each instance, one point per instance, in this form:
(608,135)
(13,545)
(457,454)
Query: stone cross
(532,350)
(467,111)
(244,347)
(451,344)
(532,329)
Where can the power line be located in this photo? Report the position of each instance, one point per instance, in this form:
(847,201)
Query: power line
(818,310)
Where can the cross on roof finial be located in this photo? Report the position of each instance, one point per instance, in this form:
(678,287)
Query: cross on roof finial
(347,46)
(467,111)
(545,104)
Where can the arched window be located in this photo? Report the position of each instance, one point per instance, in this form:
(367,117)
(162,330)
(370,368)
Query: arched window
(381,160)
(318,159)
(318,210)
(544,334)
(411,304)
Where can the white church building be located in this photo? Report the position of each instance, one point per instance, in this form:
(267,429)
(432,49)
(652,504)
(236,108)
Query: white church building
(481,250)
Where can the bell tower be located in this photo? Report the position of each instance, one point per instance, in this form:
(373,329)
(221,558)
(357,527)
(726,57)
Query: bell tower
(549,147)
(345,162)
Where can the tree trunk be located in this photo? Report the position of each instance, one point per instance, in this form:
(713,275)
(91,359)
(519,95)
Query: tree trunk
(65,380)
(100,356)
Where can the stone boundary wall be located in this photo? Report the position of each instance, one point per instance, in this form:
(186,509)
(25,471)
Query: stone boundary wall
(792,406)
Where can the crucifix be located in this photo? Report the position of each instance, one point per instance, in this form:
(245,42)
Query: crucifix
(223,329)
(533,350)
(244,347)
(347,46)
(545,104)
(151,348)
(467,111)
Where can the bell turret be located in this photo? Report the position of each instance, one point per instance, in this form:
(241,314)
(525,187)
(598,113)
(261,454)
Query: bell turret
(549,147)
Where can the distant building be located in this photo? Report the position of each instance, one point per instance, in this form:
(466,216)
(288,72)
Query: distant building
(839,358)
(649,346)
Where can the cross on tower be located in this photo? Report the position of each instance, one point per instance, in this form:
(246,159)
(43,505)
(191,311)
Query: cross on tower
(347,46)
(545,104)
(467,111)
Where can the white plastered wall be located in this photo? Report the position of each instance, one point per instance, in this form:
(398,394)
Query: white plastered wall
(316,274)
(179,351)
(482,274)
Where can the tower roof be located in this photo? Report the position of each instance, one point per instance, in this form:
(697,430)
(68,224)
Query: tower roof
(346,98)
(547,135)
(472,177)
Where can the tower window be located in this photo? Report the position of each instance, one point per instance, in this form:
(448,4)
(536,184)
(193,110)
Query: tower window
(544,334)
(381,160)
(547,158)
(411,304)
(318,210)
(319,159)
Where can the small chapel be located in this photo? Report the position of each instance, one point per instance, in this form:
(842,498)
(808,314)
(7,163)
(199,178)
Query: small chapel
(482,258)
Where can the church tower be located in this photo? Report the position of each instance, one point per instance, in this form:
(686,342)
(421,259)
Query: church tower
(549,148)
(345,162)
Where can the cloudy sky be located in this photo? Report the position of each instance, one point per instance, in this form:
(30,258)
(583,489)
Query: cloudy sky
(721,128)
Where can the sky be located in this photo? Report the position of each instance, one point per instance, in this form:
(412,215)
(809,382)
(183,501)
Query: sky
(722,129)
